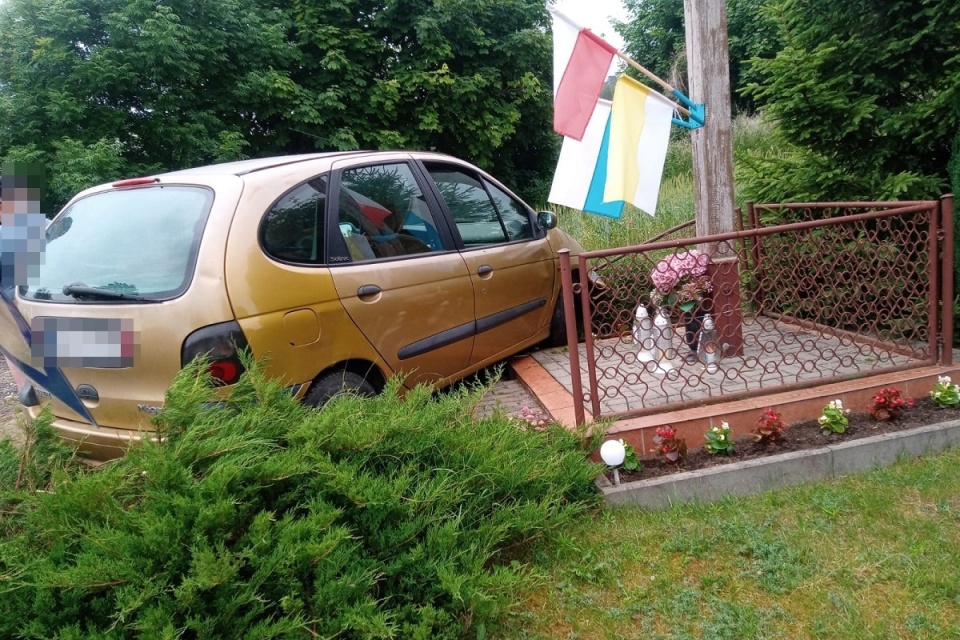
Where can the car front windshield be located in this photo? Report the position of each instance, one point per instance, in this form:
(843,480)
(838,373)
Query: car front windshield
(129,243)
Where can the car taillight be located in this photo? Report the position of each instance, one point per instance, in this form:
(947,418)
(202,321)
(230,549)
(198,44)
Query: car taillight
(221,344)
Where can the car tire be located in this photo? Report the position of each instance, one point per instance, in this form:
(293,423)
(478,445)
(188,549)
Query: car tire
(333,384)
(558,323)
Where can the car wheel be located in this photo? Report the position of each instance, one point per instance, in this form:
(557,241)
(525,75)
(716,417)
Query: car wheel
(558,323)
(332,384)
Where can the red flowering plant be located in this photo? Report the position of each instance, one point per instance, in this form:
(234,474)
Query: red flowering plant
(889,405)
(769,427)
(668,445)
(681,279)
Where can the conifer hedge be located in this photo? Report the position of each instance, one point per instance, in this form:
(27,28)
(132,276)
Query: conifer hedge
(258,518)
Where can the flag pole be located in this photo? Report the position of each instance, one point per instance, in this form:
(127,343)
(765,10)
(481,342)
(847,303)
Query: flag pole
(630,61)
(633,63)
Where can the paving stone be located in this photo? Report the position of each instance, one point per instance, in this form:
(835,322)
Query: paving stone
(775,355)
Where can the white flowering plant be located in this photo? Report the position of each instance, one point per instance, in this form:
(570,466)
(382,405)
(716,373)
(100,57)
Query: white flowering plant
(945,393)
(719,440)
(834,418)
(630,460)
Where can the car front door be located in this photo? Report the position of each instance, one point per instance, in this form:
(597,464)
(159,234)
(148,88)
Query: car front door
(398,274)
(511,265)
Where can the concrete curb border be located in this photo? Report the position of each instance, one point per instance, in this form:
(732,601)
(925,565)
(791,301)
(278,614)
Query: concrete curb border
(762,474)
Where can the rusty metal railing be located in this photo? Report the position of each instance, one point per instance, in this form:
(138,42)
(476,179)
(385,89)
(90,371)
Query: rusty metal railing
(843,291)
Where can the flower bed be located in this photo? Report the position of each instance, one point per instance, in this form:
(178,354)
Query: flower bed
(799,436)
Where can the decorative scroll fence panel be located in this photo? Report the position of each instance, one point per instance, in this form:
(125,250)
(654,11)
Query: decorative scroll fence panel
(845,291)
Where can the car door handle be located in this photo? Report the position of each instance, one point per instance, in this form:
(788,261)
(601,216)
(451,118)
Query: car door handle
(368,291)
(484,270)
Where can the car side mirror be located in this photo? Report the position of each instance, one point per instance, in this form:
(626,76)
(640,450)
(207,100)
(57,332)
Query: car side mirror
(546,220)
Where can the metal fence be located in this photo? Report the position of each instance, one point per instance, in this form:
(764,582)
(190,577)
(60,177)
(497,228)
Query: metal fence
(834,291)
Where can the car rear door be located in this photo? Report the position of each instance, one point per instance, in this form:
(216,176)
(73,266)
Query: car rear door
(510,263)
(397,271)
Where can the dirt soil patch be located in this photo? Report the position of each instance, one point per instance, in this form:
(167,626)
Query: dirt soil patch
(797,436)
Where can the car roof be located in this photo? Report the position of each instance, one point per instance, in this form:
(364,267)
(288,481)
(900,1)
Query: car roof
(255,165)
(242,167)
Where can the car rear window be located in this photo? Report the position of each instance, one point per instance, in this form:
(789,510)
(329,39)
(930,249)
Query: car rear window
(138,242)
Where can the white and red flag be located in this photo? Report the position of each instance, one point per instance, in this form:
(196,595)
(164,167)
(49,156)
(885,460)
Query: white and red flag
(581,61)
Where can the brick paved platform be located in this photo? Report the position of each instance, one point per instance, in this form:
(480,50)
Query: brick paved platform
(775,354)
(509,397)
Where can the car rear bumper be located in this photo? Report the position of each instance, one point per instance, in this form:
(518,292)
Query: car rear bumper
(95,443)
(107,443)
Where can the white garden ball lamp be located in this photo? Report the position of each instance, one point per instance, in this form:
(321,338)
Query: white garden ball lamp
(613,453)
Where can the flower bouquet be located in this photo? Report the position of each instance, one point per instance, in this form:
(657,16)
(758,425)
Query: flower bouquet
(681,279)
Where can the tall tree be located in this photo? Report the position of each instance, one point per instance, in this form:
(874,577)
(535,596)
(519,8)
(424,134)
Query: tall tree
(867,91)
(654,36)
(133,85)
(103,88)
(468,77)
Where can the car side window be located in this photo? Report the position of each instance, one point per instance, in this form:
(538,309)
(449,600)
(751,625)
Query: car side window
(514,214)
(483,213)
(292,230)
(383,214)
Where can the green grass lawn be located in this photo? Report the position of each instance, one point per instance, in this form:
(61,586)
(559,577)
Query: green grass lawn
(872,556)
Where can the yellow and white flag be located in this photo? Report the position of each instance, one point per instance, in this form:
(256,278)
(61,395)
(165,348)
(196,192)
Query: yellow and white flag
(639,135)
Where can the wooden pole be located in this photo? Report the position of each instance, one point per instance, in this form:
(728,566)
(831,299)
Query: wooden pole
(709,76)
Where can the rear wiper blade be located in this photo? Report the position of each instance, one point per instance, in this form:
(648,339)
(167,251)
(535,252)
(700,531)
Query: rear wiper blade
(80,290)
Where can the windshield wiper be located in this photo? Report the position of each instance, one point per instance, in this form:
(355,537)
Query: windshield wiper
(80,290)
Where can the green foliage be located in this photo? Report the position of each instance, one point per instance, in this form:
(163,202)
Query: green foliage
(945,394)
(719,440)
(257,517)
(101,90)
(863,92)
(36,462)
(798,174)
(954,168)
(834,419)
(655,37)
(654,34)
(630,460)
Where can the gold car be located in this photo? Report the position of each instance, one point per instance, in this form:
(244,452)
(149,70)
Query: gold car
(342,268)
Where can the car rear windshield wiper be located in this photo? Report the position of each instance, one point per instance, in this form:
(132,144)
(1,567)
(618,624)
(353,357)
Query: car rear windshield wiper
(80,290)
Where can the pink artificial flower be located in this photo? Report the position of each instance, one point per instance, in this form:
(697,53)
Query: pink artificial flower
(669,271)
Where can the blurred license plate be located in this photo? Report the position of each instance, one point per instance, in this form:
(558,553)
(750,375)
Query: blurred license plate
(109,343)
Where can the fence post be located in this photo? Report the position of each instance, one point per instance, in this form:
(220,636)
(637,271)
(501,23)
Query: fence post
(573,346)
(947,271)
(933,276)
(754,221)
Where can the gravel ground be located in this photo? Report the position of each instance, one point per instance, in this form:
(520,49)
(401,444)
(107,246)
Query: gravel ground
(8,402)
